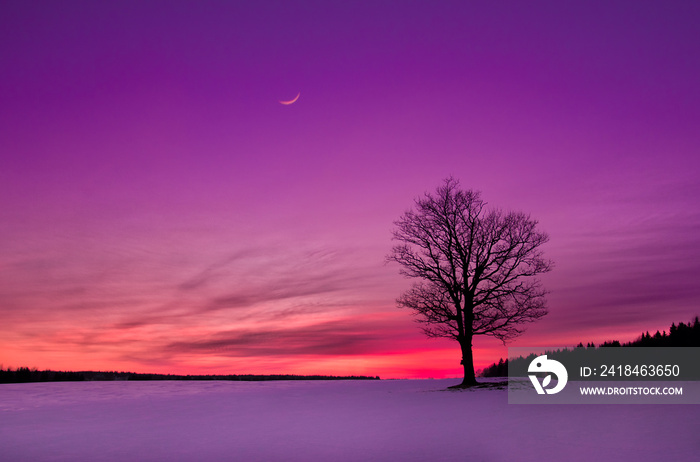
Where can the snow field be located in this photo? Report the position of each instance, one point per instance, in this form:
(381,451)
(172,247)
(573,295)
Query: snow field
(403,420)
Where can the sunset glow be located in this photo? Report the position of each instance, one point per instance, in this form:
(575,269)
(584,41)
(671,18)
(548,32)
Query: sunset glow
(161,211)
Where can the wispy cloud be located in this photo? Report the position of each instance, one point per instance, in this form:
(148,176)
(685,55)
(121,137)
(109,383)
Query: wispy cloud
(635,263)
(351,336)
(284,278)
(256,301)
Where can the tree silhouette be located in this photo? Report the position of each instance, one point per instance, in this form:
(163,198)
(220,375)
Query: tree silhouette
(476,268)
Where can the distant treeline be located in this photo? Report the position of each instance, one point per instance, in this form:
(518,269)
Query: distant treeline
(683,335)
(25,374)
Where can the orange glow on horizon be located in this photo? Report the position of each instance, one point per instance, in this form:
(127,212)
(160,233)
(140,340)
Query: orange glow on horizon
(412,364)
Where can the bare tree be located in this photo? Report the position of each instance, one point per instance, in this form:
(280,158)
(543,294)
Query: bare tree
(475,265)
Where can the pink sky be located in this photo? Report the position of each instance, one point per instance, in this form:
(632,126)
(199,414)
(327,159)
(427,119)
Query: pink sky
(160,210)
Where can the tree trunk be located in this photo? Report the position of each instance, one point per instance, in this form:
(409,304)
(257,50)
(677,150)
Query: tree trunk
(468,363)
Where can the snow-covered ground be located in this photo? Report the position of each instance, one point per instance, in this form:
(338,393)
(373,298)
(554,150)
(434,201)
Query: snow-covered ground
(393,420)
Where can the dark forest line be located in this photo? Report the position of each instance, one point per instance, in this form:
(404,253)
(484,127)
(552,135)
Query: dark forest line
(682,335)
(25,375)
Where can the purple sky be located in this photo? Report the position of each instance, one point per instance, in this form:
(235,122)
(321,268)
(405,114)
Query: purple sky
(161,211)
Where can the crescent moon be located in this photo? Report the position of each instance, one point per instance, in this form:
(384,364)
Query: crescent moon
(291,101)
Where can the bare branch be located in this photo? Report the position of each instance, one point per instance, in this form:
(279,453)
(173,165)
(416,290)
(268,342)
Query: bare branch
(477,266)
